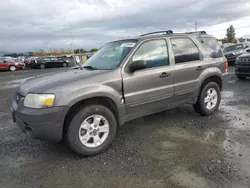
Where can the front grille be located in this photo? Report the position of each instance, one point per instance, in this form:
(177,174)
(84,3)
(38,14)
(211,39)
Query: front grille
(243,61)
(18,97)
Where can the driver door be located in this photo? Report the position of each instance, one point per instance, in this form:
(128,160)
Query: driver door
(149,90)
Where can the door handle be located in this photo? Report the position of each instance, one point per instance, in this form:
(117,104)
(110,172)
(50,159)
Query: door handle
(164,75)
(199,68)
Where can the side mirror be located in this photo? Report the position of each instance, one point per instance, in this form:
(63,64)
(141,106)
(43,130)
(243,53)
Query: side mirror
(137,65)
(214,54)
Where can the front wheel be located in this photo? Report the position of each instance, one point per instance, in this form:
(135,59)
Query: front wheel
(209,99)
(12,68)
(64,65)
(91,130)
(42,66)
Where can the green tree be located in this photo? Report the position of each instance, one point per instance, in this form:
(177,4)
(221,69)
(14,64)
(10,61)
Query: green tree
(83,51)
(77,51)
(94,50)
(230,36)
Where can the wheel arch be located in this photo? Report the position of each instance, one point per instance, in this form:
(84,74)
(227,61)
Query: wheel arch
(11,66)
(212,78)
(77,106)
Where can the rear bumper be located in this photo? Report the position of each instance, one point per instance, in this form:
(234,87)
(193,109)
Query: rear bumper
(42,124)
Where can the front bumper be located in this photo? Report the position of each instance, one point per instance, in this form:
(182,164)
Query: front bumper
(42,124)
(242,70)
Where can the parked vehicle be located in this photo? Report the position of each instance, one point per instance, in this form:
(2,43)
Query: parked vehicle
(233,51)
(8,64)
(242,65)
(124,80)
(223,46)
(17,60)
(28,60)
(48,62)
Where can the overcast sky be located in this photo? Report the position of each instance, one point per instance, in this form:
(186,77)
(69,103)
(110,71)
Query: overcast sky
(28,25)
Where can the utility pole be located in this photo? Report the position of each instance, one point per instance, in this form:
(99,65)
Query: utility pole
(195,26)
(72,48)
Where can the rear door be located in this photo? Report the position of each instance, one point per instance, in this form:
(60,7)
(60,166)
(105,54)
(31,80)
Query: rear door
(48,62)
(188,67)
(149,90)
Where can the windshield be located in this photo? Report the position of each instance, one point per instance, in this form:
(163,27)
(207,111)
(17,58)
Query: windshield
(110,55)
(233,48)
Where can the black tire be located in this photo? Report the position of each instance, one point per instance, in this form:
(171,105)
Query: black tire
(42,66)
(72,135)
(241,77)
(200,106)
(12,68)
(64,64)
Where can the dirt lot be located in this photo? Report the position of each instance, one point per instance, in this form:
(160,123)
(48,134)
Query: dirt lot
(177,148)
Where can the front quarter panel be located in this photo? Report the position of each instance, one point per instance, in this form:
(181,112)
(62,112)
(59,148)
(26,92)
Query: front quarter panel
(108,84)
(93,91)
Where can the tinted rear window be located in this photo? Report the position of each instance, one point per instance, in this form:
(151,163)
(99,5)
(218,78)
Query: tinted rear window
(212,47)
(184,50)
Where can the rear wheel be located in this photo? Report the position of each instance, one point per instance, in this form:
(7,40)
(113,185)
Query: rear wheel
(12,68)
(209,99)
(91,130)
(42,66)
(241,77)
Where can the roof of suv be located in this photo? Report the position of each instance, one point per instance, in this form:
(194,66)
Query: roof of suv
(169,33)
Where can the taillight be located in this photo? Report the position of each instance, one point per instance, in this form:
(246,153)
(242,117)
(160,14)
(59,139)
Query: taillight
(226,65)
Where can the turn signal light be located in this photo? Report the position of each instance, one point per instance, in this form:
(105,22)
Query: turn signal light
(226,65)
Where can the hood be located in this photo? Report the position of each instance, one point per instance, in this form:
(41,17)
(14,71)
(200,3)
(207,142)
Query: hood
(245,55)
(53,80)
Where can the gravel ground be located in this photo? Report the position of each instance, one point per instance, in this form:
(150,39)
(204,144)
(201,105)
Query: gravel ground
(176,148)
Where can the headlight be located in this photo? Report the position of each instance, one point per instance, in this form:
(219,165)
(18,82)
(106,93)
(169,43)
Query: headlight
(33,100)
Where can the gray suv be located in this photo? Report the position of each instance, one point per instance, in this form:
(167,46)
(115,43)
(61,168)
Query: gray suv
(124,80)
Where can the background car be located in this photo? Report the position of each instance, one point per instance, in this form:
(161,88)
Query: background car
(242,65)
(6,64)
(233,51)
(226,45)
(18,60)
(28,60)
(48,62)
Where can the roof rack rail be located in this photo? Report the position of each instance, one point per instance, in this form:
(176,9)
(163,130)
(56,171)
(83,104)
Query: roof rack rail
(197,32)
(166,32)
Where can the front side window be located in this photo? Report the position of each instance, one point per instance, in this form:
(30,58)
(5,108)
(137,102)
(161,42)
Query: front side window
(154,53)
(110,56)
(184,50)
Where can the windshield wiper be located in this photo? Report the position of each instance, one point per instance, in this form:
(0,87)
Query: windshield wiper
(90,67)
